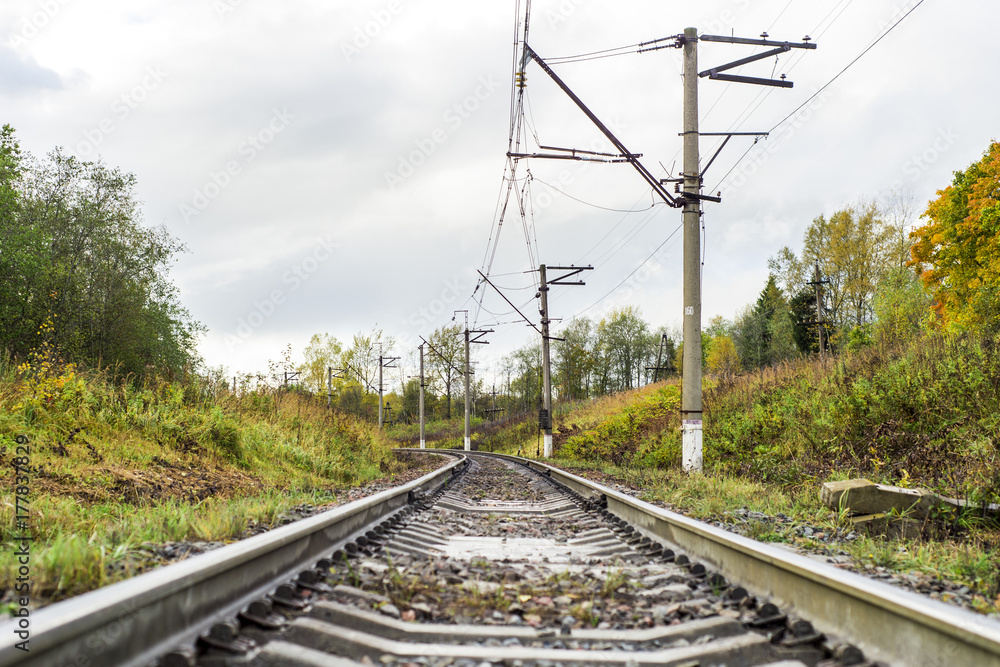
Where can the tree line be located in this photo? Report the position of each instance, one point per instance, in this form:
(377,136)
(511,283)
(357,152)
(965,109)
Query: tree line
(859,254)
(884,277)
(79,270)
(850,278)
(595,358)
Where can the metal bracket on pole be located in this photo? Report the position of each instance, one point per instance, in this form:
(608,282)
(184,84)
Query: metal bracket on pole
(804,44)
(576,154)
(780,47)
(744,61)
(778,83)
(479,335)
(573,270)
(728,136)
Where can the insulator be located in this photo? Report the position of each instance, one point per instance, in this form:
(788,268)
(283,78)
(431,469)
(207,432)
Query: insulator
(520,79)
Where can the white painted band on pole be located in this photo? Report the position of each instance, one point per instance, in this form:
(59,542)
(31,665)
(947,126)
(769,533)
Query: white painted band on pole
(468,444)
(423,444)
(691,432)
(548,446)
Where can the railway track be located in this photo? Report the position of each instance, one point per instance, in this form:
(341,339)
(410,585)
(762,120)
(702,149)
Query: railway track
(493,560)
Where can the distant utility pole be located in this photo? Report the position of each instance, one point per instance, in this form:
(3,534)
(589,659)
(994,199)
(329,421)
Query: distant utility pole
(659,360)
(423,442)
(468,374)
(545,417)
(383,362)
(494,410)
(331,373)
(820,321)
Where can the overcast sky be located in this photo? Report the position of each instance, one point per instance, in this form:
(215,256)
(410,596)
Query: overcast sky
(331,166)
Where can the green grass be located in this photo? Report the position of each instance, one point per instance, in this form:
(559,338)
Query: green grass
(968,557)
(117,464)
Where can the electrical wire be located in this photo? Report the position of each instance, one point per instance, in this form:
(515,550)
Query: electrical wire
(780,14)
(530,120)
(797,109)
(763,94)
(619,245)
(610,232)
(514,138)
(513,289)
(848,66)
(511,273)
(735,164)
(580,60)
(603,208)
(592,53)
(634,271)
(508,313)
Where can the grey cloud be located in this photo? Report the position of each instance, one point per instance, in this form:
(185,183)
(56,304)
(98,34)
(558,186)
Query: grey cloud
(20,75)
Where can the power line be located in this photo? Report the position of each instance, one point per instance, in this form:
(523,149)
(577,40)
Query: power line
(780,14)
(625,279)
(826,85)
(735,164)
(848,66)
(610,232)
(609,55)
(763,94)
(603,208)
(512,289)
(618,246)
(511,304)
(594,53)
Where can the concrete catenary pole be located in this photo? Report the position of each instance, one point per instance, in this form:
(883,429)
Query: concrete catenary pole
(468,423)
(423,442)
(691,414)
(546,370)
(380,408)
(819,314)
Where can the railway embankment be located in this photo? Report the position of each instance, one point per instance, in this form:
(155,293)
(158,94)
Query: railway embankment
(922,415)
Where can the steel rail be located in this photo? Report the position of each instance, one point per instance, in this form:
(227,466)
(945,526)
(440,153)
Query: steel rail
(132,622)
(889,623)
